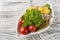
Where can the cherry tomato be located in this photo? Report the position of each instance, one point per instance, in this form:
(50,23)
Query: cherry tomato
(20,21)
(32,28)
(23,30)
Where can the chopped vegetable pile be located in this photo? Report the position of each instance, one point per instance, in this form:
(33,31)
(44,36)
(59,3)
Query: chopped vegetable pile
(33,18)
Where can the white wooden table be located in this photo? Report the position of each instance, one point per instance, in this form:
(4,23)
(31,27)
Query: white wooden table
(10,11)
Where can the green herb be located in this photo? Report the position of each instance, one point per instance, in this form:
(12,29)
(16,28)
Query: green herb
(32,17)
(47,5)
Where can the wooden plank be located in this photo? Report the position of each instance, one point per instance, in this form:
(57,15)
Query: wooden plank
(14,6)
(14,0)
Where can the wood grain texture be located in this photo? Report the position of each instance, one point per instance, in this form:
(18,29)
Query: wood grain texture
(10,11)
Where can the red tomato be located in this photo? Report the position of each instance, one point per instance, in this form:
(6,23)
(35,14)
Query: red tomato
(23,30)
(32,28)
(20,21)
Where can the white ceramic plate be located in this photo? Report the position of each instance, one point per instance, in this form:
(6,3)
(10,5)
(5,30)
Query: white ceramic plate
(42,30)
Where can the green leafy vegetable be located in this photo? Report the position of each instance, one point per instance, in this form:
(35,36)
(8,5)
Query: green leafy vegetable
(47,5)
(32,17)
